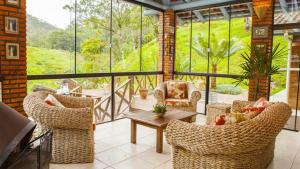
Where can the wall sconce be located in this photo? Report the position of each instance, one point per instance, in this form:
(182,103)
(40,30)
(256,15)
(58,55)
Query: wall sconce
(261,11)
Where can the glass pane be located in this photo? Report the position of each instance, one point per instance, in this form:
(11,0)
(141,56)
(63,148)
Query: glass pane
(50,37)
(53,84)
(226,91)
(150,49)
(93,36)
(200,31)
(183,34)
(240,36)
(284,86)
(219,40)
(126,24)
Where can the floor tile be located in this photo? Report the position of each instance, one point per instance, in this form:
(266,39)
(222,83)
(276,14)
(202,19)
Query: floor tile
(134,163)
(95,165)
(167,165)
(57,166)
(153,157)
(134,148)
(112,156)
(101,146)
(116,140)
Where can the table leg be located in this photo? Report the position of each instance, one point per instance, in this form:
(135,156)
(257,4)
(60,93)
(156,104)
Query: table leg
(133,132)
(159,139)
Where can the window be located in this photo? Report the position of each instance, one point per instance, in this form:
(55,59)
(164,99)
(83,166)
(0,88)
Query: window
(183,41)
(200,38)
(91,36)
(150,43)
(50,37)
(211,40)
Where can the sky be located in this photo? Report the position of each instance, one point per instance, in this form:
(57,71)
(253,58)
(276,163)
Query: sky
(50,11)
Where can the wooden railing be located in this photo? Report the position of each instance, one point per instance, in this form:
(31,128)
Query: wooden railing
(102,112)
(126,88)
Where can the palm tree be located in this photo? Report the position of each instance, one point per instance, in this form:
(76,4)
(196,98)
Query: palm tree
(218,50)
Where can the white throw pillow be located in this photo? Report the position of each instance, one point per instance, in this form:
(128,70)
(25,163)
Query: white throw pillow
(52,101)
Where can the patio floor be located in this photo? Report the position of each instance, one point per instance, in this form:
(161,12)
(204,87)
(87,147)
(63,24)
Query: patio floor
(113,149)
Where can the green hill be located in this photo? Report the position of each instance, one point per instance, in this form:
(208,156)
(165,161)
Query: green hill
(38,30)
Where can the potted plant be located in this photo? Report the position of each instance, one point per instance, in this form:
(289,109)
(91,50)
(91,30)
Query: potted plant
(143,93)
(258,66)
(159,110)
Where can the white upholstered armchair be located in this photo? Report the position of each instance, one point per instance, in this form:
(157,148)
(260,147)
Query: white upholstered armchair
(178,94)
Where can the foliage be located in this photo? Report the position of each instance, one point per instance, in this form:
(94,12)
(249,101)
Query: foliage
(257,65)
(93,51)
(37,31)
(217,48)
(61,39)
(160,108)
(49,61)
(229,89)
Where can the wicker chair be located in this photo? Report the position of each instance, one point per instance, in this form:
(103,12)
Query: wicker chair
(193,96)
(246,145)
(73,136)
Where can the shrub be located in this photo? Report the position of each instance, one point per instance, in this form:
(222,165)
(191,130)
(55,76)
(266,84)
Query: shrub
(229,89)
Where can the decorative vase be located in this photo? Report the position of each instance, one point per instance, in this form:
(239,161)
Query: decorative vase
(143,93)
(159,115)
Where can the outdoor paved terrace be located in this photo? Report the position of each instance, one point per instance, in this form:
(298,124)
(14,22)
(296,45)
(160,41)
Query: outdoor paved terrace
(113,149)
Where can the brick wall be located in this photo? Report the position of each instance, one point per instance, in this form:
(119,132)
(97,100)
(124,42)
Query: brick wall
(166,43)
(267,21)
(293,76)
(13,70)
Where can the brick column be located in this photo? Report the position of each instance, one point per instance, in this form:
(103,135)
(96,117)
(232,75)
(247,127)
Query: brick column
(267,41)
(293,75)
(13,70)
(167,43)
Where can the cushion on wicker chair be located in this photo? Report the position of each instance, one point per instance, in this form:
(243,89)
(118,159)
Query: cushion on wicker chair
(52,101)
(176,90)
(177,102)
(257,107)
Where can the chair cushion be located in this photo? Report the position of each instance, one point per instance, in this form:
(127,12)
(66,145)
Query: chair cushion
(257,107)
(52,101)
(177,102)
(176,90)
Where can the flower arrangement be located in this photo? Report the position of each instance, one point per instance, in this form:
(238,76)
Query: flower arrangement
(159,110)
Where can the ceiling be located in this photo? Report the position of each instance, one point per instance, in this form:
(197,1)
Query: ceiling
(199,10)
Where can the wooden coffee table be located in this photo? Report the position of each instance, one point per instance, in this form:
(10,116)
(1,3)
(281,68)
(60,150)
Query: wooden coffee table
(146,118)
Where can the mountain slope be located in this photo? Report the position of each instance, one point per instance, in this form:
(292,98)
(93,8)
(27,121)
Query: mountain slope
(37,31)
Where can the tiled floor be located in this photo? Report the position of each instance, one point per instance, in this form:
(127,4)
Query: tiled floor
(113,149)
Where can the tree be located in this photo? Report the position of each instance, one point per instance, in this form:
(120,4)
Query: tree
(93,19)
(62,39)
(91,51)
(218,50)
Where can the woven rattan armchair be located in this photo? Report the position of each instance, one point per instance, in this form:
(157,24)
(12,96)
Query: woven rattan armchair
(246,145)
(160,94)
(73,136)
